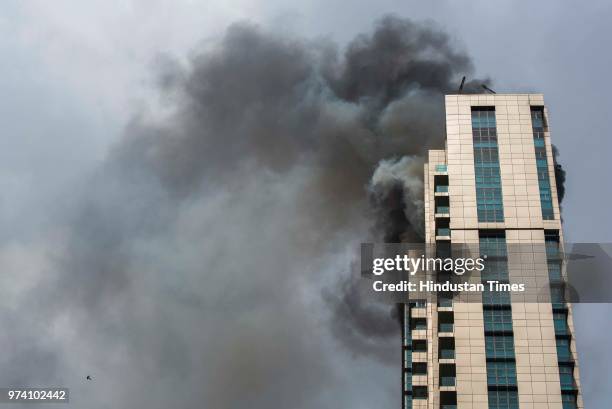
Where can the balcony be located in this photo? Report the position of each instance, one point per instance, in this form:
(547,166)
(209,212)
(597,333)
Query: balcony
(445,303)
(568,385)
(441,190)
(447,381)
(561,328)
(443,233)
(446,327)
(442,211)
(446,354)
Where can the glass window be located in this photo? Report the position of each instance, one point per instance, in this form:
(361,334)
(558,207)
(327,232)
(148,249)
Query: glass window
(486,165)
(566,376)
(495,298)
(503,400)
(419,345)
(499,346)
(564,353)
(419,368)
(407,402)
(501,373)
(568,400)
(538,124)
(419,323)
(560,321)
(497,320)
(419,392)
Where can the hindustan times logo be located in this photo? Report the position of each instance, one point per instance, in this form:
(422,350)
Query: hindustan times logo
(411,265)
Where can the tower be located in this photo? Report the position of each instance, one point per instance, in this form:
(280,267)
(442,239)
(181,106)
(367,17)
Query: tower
(493,186)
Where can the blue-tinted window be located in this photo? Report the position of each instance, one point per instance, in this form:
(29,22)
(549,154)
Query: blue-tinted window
(499,346)
(566,376)
(495,298)
(419,323)
(568,400)
(492,243)
(503,400)
(489,202)
(497,320)
(407,402)
(501,374)
(560,321)
(538,126)
(564,353)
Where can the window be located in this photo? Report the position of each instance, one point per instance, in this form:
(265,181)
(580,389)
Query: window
(407,358)
(497,320)
(501,374)
(486,165)
(495,271)
(445,299)
(419,368)
(443,231)
(560,322)
(447,375)
(568,400)
(503,400)
(419,392)
(538,125)
(419,323)
(407,381)
(495,298)
(499,346)
(407,402)
(446,321)
(564,353)
(446,348)
(566,376)
(554,271)
(492,243)
(419,345)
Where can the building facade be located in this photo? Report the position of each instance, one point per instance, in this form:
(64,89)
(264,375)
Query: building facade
(492,186)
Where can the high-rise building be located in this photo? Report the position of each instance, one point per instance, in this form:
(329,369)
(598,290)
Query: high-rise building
(492,186)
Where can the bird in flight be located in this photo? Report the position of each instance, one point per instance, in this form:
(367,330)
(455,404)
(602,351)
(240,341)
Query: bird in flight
(89,378)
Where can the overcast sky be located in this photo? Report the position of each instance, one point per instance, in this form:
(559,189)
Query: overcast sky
(75,73)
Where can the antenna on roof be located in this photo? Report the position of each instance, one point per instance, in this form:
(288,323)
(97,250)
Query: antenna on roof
(488,89)
(461,86)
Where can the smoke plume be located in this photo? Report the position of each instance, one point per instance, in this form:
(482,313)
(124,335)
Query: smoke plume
(202,264)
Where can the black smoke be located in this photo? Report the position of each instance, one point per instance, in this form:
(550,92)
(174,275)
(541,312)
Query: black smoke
(560,175)
(199,265)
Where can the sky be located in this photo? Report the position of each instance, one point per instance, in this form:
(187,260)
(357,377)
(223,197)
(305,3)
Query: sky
(78,78)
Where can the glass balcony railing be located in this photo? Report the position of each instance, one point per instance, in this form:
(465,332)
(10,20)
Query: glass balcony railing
(448,406)
(561,327)
(447,381)
(447,354)
(442,189)
(445,327)
(443,231)
(442,209)
(567,383)
(445,302)
(441,168)
(564,355)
